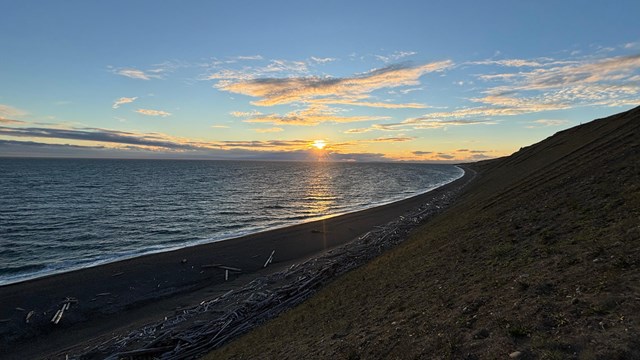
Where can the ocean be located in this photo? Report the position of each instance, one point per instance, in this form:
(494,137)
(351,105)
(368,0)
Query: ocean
(58,215)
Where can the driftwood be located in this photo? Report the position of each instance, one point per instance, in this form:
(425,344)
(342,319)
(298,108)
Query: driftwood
(220,266)
(29,315)
(58,315)
(229,268)
(195,331)
(270,259)
(208,266)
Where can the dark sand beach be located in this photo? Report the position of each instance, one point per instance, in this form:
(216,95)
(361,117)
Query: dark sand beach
(120,296)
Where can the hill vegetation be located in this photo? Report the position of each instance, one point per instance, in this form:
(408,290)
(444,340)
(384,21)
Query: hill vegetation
(539,259)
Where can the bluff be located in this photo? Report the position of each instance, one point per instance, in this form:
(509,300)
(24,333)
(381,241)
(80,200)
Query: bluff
(538,259)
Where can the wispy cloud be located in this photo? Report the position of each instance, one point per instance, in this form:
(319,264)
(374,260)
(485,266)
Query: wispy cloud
(244,73)
(268,130)
(312,115)
(7,111)
(150,112)
(220,126)
(122,101)
(358,131)
(393,139)
(381,127)
(11,121)
(429,122)
(136,74)
(395,56)
(509,63)
(245,114)
(249,57)
(547,122)
(550,85)
(352,90)
(319,60)
(607,70)
(609,82)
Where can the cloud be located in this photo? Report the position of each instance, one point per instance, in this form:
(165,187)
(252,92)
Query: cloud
(438,121)
(358,131)
(151,140)
(7,111)
(97,135)
(322,60)
(268,130)
(395,56)
(220,126)
(385,127)
(608,82)
(245,113)
(39,149)
(123,100)
(393,139)
(149,112)
(551,122)
(11,121)
(406,91)
(509,63)
(547,123)
(606,70)
(445,156)
(460,155)
(286,66)
(352,90)
(249,57)
(311,116)
(374,104)
(137,74)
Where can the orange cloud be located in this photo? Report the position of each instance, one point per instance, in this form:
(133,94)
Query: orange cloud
(268,130)
(123,100)
(310,116)
(10,111)
(276,91)
(149,112)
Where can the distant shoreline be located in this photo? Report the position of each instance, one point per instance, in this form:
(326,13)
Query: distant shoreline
(128,293)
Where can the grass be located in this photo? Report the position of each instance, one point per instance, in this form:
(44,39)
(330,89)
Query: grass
(540,255)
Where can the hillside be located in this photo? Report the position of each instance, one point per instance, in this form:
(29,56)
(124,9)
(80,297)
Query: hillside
(539,259)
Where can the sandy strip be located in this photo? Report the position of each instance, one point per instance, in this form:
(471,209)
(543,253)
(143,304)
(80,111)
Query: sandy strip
(120,296)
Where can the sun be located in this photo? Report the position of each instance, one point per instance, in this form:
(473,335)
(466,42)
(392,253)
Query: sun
(319,144)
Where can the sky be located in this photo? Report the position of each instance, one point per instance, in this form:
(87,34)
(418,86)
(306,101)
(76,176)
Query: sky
(426,81)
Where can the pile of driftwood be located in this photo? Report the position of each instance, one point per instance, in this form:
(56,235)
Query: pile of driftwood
(195,331)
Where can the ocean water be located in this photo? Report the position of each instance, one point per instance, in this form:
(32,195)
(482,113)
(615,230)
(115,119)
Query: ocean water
(62,214)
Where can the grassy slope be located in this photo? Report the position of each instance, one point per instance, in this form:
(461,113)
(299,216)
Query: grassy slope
(541,255)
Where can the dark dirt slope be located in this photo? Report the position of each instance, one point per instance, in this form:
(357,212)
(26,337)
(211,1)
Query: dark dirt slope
(540,259)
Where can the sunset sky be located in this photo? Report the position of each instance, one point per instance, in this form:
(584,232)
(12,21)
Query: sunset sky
(309,80)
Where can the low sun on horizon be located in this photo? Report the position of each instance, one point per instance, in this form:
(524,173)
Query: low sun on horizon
(319,144)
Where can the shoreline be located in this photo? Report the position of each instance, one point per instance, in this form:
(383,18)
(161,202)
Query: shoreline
(101,262)
(121,295)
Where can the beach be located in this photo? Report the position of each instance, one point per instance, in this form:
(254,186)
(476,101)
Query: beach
(123,295)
